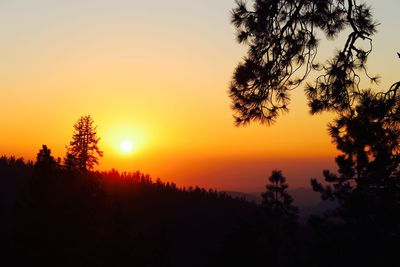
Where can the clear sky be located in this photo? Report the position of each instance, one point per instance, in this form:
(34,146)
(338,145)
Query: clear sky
(156,73)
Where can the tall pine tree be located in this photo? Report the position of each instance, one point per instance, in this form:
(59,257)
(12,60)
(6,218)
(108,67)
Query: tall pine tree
(83,151)
(281,224)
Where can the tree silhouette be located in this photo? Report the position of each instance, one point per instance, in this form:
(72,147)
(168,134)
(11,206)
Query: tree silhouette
(281,220)
(44,159)
(367,187)
(276,200)
(281,36)
(83,151)
(369,140)
(43,176)
(69,162)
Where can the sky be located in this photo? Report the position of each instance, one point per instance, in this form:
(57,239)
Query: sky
(156,73)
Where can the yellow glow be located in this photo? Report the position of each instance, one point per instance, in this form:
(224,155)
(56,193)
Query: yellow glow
(126,146)
(123,137)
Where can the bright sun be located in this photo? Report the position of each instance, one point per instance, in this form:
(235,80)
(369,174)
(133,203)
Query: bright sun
(126,146)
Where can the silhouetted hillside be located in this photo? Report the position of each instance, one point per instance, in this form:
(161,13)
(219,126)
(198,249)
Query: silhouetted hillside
(66,218)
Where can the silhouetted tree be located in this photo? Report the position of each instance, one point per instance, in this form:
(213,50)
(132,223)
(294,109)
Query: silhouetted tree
(367,187)
(69,162)
(83,151)
(276,200)
(44,175)
(58,220)
(44,159)
(369,141)
(281,36)
(281,220)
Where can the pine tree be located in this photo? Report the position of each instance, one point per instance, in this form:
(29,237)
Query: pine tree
(282,41)
(369,139)
(44,159)
(276,200)
(367,187)
(281,224)
(44,175)
(83,151)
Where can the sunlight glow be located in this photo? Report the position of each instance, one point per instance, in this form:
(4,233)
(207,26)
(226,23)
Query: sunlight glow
(123,139)
(126,146)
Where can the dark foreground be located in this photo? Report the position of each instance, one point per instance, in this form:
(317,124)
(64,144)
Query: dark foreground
(52,216)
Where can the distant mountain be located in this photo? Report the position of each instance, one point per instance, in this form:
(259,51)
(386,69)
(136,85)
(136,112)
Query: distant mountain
(308,201)
(251,197)
(302,196)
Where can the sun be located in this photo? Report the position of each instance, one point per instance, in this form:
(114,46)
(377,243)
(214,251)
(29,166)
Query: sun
(125,139)
(126,146)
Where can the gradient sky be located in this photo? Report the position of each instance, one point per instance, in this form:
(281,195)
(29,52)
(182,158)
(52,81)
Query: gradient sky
(157,72)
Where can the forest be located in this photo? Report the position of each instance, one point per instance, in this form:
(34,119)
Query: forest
(64,212)
(52,216)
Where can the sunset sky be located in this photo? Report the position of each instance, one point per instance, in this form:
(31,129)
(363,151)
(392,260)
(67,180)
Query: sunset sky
(156,73)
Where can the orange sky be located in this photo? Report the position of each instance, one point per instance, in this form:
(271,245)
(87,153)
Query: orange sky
(156,73)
